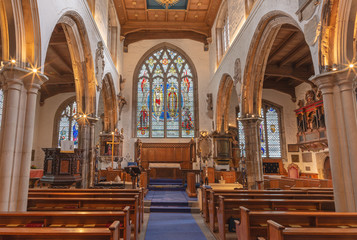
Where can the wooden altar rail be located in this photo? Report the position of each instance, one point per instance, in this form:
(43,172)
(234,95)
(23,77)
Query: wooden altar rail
(253,224)
(68,219)
(288,183)
(34,233)
(88,204)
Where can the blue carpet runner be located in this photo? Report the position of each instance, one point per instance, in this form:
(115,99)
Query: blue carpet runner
(170,215)
(173,226)
(166,185)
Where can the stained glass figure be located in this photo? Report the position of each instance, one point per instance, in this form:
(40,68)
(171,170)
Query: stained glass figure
(165,96)
(269,131)
(68,126)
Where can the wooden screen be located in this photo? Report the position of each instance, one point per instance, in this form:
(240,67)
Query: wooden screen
(182,153)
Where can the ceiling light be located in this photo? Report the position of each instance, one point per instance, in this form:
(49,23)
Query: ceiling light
(13,61)
(199,4)
(351,65)
(34,70)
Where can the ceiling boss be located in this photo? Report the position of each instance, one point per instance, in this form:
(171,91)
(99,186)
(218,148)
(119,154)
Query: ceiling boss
(167,3)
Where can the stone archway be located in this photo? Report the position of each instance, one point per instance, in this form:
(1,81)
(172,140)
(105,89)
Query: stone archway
(110,104)
(223,102)
(260,49)
(327,169)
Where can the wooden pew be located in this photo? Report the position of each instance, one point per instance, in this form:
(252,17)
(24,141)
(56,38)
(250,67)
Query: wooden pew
(213,202)
(68,219)
(279,232)
(26,233)
(253,224)
(231,208)
(206,196)
(88,204)
(210,206)
(94,190)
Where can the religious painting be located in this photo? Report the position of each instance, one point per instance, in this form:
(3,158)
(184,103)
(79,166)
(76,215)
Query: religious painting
(165,96)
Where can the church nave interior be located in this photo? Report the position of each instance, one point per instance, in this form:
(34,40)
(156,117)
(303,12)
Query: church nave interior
(178,119)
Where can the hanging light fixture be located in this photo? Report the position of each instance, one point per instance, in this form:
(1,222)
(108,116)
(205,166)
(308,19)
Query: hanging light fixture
(167,3)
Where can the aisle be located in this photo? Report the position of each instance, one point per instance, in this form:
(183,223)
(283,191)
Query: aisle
(173,226)
(171,218)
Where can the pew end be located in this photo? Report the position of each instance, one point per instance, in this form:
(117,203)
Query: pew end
(275,230)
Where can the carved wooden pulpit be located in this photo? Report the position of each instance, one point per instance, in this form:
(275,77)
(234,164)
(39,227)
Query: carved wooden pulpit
(62,169)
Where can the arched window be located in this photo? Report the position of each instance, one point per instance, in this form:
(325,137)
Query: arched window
(65,123)
(269,131)
(222,31)
(165,95)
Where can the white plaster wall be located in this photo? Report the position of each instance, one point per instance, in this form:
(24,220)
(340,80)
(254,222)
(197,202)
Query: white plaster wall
(43,132)
(101,18)
(200,59)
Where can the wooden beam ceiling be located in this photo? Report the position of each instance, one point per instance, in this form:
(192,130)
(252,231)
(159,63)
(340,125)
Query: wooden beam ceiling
(289,62)
(194,23)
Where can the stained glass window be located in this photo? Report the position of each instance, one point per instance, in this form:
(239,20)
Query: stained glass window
(1,104)
(68,126)
(165,96)
(269,131)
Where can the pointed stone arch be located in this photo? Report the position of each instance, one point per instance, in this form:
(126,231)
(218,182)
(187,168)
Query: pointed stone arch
(223,100)
(82,61)
(110,104)
(259,51)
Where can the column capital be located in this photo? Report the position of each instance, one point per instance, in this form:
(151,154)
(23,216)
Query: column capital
(17,75)
(248,121)
(325,82)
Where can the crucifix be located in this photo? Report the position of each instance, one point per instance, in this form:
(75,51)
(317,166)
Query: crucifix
(113,143)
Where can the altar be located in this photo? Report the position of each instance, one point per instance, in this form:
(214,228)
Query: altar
(165,160)
(165,170)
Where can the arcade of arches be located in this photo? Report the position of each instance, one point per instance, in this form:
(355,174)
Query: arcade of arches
(234,90)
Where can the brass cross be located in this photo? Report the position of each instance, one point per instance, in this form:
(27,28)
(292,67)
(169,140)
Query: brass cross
(113,146)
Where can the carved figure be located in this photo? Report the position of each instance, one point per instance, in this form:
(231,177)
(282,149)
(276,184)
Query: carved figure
(99,64)
(209,101)
(237,72)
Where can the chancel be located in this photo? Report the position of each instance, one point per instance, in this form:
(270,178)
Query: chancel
(178,119)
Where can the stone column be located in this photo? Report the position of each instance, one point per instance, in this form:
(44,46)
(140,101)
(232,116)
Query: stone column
(341,128)
(32,92)
(254,163)
(17,134)
(12,94)
(84,145)
(92,151)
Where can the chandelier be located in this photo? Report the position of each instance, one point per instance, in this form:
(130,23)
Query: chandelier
(167,3)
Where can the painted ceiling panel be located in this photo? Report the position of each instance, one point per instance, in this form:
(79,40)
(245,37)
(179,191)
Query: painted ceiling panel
(154,4)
